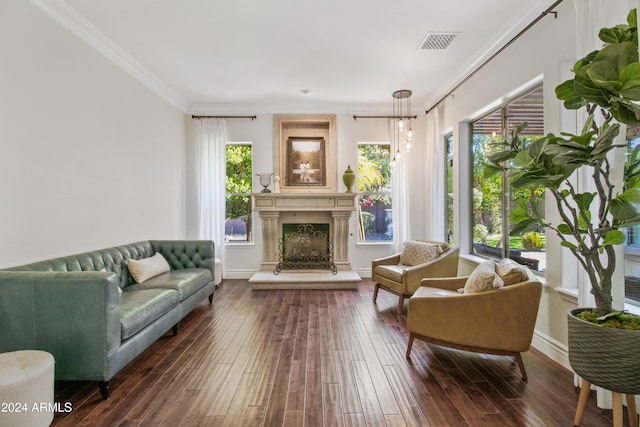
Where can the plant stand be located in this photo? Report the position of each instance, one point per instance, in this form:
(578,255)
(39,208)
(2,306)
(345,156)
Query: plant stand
(617,407)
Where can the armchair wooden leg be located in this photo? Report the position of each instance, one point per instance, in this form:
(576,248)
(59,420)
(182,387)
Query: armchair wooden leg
(400,304)
(375,291)
(521,365)
(582,402)
(410,345)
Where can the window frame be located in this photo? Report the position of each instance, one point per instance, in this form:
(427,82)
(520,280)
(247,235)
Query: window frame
(250,223)
(449,220)
(388,144)
(502,109)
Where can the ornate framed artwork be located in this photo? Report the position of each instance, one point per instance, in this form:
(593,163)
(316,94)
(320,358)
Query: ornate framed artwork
(306,161)
(305,152)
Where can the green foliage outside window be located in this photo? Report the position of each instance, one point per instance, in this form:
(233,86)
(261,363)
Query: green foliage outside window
(374,192)
(239,179)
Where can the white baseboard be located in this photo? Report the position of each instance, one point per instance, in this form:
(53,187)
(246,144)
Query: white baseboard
(553,349)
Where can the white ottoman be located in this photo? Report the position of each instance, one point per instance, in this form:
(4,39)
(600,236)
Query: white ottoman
(26,388)
(217,271)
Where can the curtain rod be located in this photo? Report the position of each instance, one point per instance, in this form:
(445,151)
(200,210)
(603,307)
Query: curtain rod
(224,117)
(384,117)
(548,11)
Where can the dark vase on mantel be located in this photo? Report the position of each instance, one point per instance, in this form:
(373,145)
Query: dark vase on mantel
(349,178)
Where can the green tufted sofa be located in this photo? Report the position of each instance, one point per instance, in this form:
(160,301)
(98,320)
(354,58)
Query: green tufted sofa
(72,308)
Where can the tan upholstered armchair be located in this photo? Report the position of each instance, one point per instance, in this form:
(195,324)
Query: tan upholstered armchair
(403,280)
(498,321)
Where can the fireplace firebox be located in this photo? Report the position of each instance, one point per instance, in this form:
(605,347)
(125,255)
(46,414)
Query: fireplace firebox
(305,247)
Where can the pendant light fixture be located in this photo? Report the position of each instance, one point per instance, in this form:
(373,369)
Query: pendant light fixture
(402,132)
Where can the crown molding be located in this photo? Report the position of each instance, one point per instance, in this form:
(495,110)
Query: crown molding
(70,19)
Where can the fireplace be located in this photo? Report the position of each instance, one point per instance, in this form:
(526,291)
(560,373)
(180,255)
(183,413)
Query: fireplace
(305,247)
(332,210)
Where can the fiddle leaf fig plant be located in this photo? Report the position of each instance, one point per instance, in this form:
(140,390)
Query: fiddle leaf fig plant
(607,84)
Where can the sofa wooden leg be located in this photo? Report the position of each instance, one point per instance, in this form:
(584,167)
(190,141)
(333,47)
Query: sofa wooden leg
(175,329)
(400,304)
(105,389)
(375,292)
(521,365)
(210,299)
(410,345)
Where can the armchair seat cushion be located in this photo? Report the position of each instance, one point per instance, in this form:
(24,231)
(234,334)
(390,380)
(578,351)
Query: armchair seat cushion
(426,291)
(391,272)
(139,308)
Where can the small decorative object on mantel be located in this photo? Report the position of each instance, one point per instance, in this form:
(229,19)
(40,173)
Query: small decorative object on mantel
(349,178)
(265,181)
(276,184)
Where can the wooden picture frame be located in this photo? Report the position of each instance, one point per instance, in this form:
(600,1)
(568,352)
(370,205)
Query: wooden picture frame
(303,137)
(306,161)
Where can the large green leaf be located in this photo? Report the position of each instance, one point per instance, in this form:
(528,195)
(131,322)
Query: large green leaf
(605,75)
(587,89)
(522,159)
(564,229)
(618,55)
(520,213)
(604,142)
(583,200)
(622,210)
(567,93)
(630,79)
(632,195)
(614,237)
(632,18)
(626,112)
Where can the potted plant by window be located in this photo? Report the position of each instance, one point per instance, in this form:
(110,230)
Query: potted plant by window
(607,84)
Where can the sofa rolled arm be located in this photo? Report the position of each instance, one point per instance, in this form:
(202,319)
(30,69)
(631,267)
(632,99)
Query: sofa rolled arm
(73,315)
(183,254)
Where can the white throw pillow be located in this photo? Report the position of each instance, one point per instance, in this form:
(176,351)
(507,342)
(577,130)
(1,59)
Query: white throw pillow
(146,268)
(414,253)
(483,278)
(511,272)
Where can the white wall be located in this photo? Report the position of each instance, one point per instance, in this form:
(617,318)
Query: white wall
(242,260)
(89,157)
(541,52)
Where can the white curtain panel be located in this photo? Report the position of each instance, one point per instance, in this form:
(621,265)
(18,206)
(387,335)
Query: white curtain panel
(211,140)
(400,193)
(591,16)
(435,185)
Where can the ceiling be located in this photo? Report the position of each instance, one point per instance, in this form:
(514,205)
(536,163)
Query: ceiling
(255,56)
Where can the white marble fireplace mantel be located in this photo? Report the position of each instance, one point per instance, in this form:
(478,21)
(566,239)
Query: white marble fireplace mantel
(276,209)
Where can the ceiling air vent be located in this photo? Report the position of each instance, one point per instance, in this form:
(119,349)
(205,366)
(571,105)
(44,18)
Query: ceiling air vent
(437,41)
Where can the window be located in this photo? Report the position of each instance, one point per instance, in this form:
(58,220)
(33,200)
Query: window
(492,198)
(632,243)
(238,193)
(374,193)
(448,140)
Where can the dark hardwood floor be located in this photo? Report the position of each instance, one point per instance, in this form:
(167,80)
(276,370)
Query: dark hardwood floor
(319,358)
